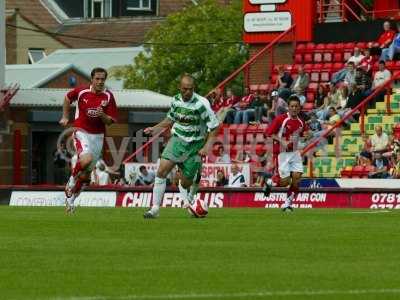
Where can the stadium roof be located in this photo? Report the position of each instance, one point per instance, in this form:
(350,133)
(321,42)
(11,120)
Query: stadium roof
(42,97)
(87,59)
(36,75)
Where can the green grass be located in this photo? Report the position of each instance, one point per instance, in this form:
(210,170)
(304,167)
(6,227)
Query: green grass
(233,254)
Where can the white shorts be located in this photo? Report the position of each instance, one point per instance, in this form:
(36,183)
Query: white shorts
(89,143)
(289,162)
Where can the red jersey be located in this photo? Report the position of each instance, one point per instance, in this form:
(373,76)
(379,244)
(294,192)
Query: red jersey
(288,129)
(228,102)
(386,38)
(87,103)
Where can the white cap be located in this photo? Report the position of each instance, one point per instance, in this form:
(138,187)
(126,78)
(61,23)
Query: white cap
(274,93)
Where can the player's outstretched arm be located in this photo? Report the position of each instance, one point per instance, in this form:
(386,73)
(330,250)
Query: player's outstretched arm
(66,108)
(167,122)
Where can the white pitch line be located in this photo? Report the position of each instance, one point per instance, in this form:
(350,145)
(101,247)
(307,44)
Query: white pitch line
(371,212)
(240,295)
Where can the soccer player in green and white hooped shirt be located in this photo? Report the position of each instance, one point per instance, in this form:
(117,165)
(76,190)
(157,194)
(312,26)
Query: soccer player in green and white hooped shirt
(194,126)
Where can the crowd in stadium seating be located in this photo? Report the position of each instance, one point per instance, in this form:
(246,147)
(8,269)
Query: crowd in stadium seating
(365,70)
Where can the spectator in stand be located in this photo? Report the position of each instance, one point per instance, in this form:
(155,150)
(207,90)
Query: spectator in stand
(300,84)
(279,106)
(99,176)
(236,113)
(221,179)
(363,82)
(367,145)
(331,100)
(222,157)
(367,62)
(284,83)
(216,100)
(229,101)
(396,165)
(355,97)
(353,60)
(364,159)
(384,40)
(145,177)
(379,140)
(254,112)
(389,53)
(334,117)
(381,165)
(261,110)
(242,157)
(349,78)
(320,96)
(380,77)
(236,179)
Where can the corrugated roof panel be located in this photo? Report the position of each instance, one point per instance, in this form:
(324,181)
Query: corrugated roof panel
(124,98)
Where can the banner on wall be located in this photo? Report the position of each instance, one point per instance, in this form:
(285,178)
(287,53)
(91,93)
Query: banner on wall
(274,200)
(57,198)
(208,172)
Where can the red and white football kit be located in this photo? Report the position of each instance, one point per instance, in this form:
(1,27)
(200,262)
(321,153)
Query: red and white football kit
(90,129)
(290,130)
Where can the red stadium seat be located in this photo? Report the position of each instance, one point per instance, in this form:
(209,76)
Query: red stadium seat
(308,58)
(324,76)
(274,78)
(314,77)
(330,46)
(327,57)
(308,67)
(298,58)
(308,106)
(347,55)
(327,67)
(300,48)
(339,46)
(349,46)
(320,47)
(337,57)
(317,57)
(361,45)
(338,66)
(310,97)
(317,67)
(313,86)
(310,46)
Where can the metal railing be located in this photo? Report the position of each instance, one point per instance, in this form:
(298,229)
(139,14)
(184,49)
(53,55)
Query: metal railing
(359,108)
(346,12)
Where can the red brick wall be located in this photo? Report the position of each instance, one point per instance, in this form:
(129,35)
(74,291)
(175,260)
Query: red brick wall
(62,80)
(260,70)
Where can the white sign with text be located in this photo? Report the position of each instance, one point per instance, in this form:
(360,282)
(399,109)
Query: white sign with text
(267,21)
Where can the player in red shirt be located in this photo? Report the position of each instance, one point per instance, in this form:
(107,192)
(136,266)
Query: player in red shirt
(286,130)
(95,108)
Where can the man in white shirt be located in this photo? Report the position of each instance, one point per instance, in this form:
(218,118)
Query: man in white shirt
(379,140)
(236,179)
(145,177)
(381,76)
(357,57)
(99,175)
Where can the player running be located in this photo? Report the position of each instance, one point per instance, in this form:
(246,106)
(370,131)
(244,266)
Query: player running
(95,108)
(194,126)
(286,130)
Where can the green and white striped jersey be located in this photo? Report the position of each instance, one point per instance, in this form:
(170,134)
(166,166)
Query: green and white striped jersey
(192,119)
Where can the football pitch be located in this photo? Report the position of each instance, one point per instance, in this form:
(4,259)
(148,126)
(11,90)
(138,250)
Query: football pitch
(100,254)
